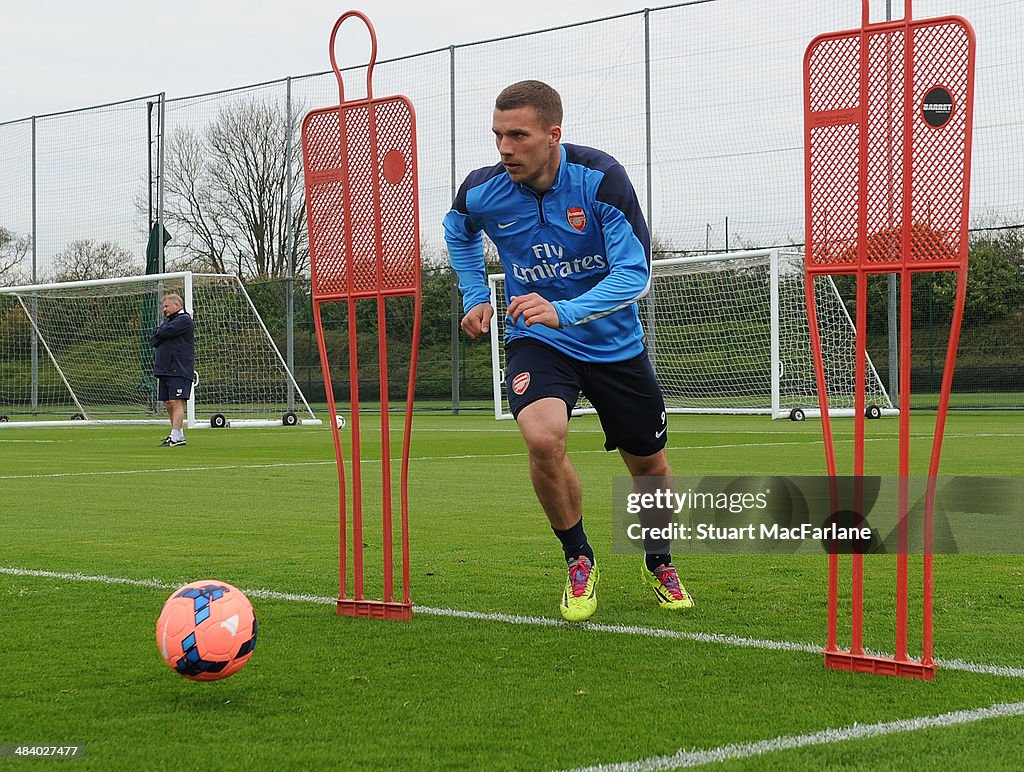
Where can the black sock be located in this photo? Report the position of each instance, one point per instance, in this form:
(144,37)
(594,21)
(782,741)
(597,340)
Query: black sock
(574,542)
(653,561)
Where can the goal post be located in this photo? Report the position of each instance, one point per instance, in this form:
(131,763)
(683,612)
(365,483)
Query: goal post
(727,333)
(74,353)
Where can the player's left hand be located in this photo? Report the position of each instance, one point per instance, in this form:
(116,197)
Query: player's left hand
(534,310)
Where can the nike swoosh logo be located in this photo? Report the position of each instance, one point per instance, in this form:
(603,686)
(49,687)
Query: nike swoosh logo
(503,225)
(657,435)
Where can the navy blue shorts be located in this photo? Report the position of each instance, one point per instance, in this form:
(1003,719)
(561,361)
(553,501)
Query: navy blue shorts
(626,394)
(173,388)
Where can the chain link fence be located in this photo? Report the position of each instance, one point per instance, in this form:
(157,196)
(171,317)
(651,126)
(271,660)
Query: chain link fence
(701,102)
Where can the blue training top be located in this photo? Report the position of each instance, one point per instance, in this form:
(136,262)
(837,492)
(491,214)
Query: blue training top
(174,341)
(583,245)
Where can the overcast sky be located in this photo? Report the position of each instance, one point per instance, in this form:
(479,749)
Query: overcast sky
(58,55)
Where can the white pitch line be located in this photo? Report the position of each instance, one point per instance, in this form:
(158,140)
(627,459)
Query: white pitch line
(118,472)
(675,432)
(282,464)
(454,457)
(596,627)
(736,751)
(77,577)
(231,467)
(276,465)
(651,632)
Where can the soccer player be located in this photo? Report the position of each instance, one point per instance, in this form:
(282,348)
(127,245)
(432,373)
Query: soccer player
(174,364)
(577,257)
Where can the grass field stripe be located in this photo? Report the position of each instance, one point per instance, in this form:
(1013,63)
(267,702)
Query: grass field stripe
(982,669)
(234,467)
(738,751)
(279,465)
(116,472)
(77,577)
(719,638)
(651,632)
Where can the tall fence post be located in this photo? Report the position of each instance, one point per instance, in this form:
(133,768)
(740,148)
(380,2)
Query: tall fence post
(149,169)
(35,277)
(647,118)
(455,304)
(289,242)
(161,144)
(35,233)
(893,337)
(652,346)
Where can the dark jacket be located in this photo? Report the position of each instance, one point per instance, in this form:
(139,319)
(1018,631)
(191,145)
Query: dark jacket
(174,341)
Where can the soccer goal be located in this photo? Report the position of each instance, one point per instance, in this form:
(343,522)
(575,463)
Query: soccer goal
(728,333)
(79,352)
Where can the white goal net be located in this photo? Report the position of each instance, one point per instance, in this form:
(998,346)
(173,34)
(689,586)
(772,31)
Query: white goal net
(728,334)
(80,352)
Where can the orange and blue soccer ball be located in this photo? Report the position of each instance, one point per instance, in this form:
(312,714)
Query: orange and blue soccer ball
(207,630)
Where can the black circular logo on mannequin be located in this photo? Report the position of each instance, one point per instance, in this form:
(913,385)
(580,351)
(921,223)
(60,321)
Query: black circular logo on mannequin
(937,107)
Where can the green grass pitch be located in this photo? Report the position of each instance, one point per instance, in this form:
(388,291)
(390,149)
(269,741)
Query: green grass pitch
(507,687)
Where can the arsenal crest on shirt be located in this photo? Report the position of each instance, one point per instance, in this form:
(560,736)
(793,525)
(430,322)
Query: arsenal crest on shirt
(577,218)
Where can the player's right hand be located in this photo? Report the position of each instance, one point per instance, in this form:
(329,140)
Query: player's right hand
(477,322)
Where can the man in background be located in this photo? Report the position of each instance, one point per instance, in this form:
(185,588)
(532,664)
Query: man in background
(174,364)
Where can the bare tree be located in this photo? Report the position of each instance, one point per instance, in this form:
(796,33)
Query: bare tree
(226,193)
(13,250)
(88,259)
(190,213)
